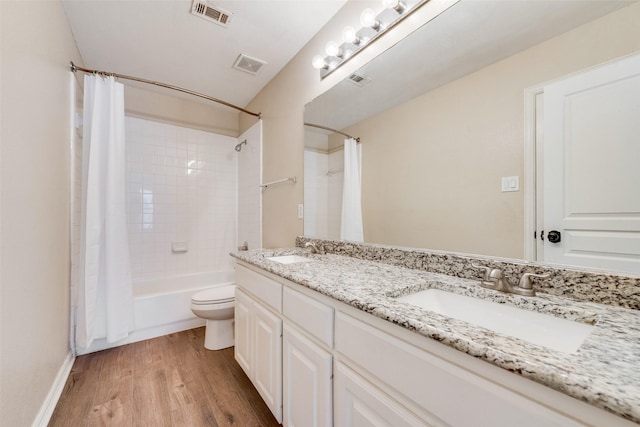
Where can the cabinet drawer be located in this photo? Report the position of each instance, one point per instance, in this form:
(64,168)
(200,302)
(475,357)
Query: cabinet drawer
(434,385)
(267,290)
(309,314)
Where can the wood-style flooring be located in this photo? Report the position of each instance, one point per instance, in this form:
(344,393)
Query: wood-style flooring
(166,381)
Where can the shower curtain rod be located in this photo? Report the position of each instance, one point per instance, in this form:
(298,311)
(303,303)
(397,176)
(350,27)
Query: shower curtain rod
(332,130)
(75,68)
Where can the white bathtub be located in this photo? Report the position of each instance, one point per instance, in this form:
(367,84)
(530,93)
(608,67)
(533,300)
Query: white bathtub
(162,306)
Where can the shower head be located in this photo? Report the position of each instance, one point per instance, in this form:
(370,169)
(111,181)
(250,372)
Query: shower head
(239,146)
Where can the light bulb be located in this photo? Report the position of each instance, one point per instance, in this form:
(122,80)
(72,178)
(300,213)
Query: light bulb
(349,35)
(368,19)
(396,5)
(333,49)
(318,62)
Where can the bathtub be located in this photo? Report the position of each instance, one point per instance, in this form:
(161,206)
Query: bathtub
(162,306)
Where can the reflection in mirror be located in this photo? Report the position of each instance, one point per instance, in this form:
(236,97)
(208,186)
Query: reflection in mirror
(441,117)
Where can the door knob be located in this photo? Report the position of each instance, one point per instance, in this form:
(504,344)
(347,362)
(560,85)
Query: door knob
(554,236)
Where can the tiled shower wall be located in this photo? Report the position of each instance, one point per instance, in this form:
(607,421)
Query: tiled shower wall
(323,176)
(315,194)
(249,179)
(181,194)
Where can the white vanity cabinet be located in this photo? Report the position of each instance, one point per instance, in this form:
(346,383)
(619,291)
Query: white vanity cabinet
(358,403)
(319,362)
(258,335)
(307,363)
(437,391)
(307,384)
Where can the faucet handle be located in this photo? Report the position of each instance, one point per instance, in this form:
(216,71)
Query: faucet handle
(314,248)
(525,287)
(525,280)
(487,270)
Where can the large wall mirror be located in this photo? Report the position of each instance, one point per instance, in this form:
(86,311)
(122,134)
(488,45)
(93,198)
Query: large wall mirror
(441,118)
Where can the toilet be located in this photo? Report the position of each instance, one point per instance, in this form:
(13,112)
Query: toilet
(215,305)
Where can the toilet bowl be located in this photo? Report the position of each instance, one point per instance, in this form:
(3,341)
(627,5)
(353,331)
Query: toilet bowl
(215,305)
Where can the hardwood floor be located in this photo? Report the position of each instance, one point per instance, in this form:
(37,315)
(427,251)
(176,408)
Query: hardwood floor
(166,381)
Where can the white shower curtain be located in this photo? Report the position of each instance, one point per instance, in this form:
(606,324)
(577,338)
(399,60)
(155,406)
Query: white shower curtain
(104,306)
(351,224)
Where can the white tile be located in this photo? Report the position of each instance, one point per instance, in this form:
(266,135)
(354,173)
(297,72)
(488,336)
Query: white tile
(188,192)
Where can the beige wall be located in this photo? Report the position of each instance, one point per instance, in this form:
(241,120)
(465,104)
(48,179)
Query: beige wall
(180,111)
(37,46)
(477,120)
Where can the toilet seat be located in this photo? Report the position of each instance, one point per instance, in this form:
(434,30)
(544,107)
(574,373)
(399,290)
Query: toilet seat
(217,295)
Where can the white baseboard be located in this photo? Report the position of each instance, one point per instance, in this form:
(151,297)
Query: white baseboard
(49,404)
(144,334)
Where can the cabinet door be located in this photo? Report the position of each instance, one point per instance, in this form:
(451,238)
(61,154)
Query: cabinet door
(307,382)
(242,329)
(359,403)
(267,358)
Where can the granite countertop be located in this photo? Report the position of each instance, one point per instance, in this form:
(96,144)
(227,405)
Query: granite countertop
(604,372)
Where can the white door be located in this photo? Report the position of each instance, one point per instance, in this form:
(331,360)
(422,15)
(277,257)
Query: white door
(592,168)
(307,382)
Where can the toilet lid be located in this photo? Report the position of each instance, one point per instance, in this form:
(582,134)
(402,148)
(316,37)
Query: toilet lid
(215,295)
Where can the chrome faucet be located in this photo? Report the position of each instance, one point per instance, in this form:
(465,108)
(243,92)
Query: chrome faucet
(494,279)
(314,248)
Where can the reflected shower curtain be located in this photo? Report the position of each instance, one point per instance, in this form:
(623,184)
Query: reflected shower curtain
(351,224)
(104,305)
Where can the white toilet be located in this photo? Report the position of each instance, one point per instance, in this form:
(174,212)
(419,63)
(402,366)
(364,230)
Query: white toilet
(215,305)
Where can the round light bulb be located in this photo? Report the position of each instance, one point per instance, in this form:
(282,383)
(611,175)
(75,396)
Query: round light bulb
(349,35)
(332,49)
(318,62)
(396,5)
(368,19)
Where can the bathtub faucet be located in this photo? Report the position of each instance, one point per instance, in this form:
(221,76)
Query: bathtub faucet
(314,248)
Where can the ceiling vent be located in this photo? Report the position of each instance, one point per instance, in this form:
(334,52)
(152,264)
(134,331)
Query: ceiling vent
(359,80)
(248,64)
(211,12)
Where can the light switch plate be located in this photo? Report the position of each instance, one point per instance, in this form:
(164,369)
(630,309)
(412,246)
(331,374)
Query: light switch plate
(300,211)
(510,183)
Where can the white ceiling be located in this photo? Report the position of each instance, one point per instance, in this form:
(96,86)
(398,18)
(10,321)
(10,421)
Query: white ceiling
(163,41)
(470,35)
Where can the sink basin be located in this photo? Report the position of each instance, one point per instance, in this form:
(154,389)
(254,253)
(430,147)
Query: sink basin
(537,328)
(289,259)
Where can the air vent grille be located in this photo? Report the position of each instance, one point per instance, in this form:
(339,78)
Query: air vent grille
(211,13)
(358,79)
(248,64)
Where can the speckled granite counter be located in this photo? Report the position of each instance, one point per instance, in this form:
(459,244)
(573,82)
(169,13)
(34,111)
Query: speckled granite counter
(604,372)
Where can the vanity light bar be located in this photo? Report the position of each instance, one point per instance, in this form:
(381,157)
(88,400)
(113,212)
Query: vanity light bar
(372,26)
